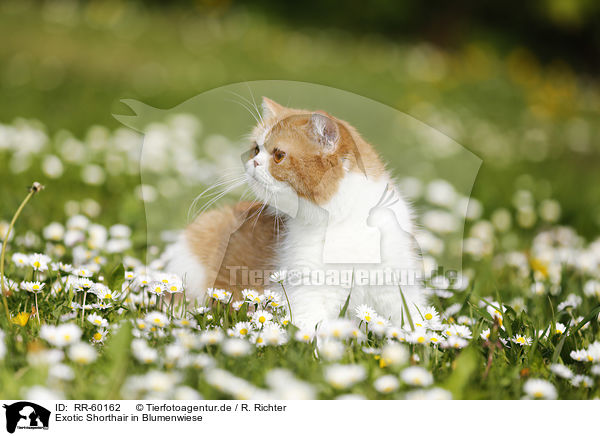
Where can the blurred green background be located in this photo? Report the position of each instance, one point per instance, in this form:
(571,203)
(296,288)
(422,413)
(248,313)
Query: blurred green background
(514,82)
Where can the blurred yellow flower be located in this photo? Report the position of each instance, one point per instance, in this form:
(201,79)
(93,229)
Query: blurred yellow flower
(539,266)
(21,319)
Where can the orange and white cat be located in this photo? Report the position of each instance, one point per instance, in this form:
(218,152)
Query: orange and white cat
(326,204)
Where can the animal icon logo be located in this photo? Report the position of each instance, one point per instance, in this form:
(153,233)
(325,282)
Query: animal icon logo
(26,415)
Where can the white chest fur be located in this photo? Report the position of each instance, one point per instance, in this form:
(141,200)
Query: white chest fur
(353,231)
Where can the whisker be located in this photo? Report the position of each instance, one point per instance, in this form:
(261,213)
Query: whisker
(261,210)
(211,188)
(252,105)
(247,109)
(255,105)
(220,195)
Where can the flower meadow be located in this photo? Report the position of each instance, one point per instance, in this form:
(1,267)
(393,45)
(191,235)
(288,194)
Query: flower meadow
(87,315)
(90,314)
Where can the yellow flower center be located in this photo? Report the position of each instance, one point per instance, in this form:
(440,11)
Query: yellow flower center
(262,319)
(108,297)
(420,339)
(36,264)
(243,331)
(36,287)
(97,321)
(259,340)
(367,318)
(428,316)
(97,336)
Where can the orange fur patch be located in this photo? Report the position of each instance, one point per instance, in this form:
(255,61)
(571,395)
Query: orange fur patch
(235,238)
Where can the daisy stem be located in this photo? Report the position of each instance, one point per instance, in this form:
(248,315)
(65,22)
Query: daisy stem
(83,307)
(288,302)
(37,311)
(33,189)
(184,304)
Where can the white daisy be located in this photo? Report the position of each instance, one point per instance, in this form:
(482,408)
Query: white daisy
(416,376)
(157,319)
(521,340)
(20,259)
(97,320)
(561,371)
(365,313)
(394,354)
(386,384)
(331,350)
(582,381)
(242,329)
(260,317)
(39,262)
(212,337)
(34,287)
(305,336)
(539,389)
(236,347)
(344,376)
(82,353)
(273,334)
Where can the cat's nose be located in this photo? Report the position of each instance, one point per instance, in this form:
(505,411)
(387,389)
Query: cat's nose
(256,163)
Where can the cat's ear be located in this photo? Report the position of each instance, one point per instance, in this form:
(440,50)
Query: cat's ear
(326,131)
(270,108)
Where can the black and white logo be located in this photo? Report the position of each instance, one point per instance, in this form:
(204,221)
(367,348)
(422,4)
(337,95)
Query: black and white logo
(26,415)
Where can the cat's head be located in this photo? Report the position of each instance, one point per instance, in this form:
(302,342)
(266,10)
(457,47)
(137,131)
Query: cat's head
(304,154)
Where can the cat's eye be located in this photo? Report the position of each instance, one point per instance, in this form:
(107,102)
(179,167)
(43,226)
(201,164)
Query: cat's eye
(278,156)
(255,151)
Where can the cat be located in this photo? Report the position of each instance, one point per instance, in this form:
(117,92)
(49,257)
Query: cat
(326,205)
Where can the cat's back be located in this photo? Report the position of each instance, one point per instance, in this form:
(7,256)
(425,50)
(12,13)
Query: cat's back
(231,248)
